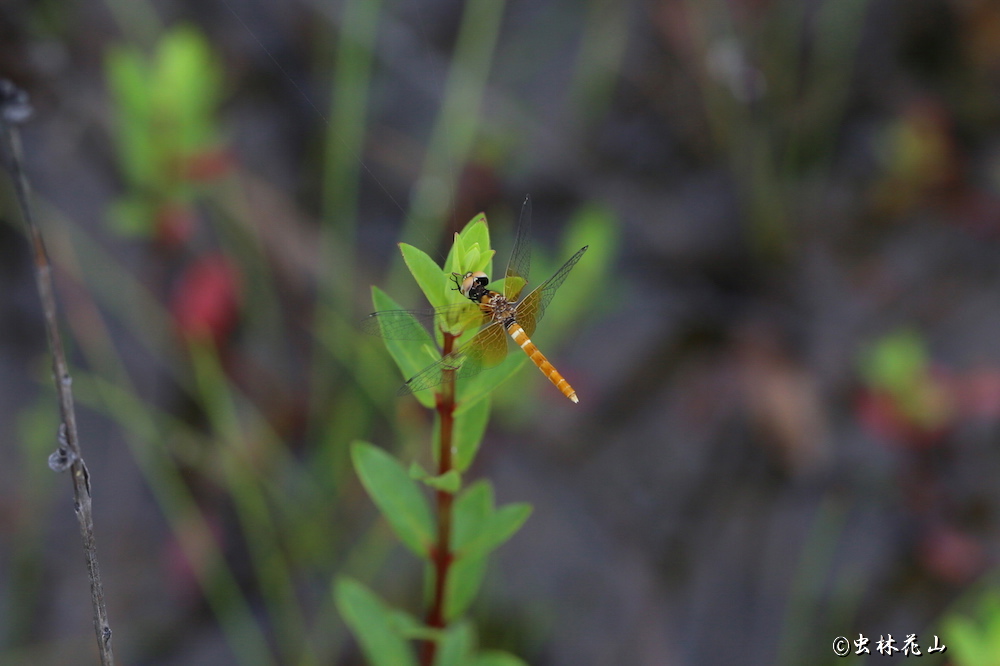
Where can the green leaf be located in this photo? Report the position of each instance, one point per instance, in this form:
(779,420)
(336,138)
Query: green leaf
(476,232)
(410,628)
(189,70)
(371,621)
(456,645)
(475,389)
(965,641)
(187,91)
(471,258)
(597,227)
(128,81)
(897,361)
(470,514)
(411,356)
(427,273)
(468,431)
(501,526)
(450,481)
(496,658)
(453,262)
(397,496)
(465,576)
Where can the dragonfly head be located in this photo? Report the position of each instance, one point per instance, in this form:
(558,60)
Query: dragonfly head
(471,285)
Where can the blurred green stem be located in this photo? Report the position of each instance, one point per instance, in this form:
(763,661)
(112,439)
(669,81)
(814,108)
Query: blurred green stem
(602,47)
(241,456)
(455,130)
(344,144)
(810,577)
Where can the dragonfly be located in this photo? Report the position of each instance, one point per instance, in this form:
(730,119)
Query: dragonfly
(503,317)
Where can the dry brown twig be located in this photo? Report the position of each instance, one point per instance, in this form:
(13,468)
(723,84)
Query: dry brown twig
(14,109)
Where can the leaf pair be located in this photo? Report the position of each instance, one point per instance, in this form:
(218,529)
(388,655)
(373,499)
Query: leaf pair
(385,633)
(479,528)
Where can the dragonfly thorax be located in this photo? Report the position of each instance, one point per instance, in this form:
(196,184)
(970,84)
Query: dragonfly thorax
(498,307)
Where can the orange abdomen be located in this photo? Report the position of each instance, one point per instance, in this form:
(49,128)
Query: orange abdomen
(538,358)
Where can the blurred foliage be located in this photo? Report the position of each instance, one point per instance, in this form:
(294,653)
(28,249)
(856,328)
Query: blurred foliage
(973,638)
(166,129)
(898,367)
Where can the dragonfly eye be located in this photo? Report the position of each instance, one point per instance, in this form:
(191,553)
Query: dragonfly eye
(472,284)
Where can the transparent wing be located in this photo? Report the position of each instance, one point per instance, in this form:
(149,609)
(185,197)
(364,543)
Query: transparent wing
(487,349)
(531,309)
(520,256)
(414,324)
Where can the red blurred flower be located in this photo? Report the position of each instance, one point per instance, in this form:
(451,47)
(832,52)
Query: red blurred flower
(206,299)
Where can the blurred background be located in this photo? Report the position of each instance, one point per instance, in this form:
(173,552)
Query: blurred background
(784,335)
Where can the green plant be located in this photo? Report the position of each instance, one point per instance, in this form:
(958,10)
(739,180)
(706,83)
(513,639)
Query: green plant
(975,640)
(468,526)
(166,133)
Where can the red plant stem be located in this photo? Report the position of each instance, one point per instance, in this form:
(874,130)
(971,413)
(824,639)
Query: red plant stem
(442,556)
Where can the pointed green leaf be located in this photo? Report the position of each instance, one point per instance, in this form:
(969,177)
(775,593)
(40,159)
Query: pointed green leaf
(476,231)
(471,259)
(456,645)
(450,481)
(371,622)
(470,513)
(496,658)
(417,471)
(453,262)
(411,356)
(410,628)
(501,526)
(470,426)
(426,272)
(485,263)
(397,496)
(464,579)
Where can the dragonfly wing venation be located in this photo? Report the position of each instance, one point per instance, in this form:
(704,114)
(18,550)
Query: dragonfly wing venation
(531,309)
(487,349)
(414,324)
(520,256)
